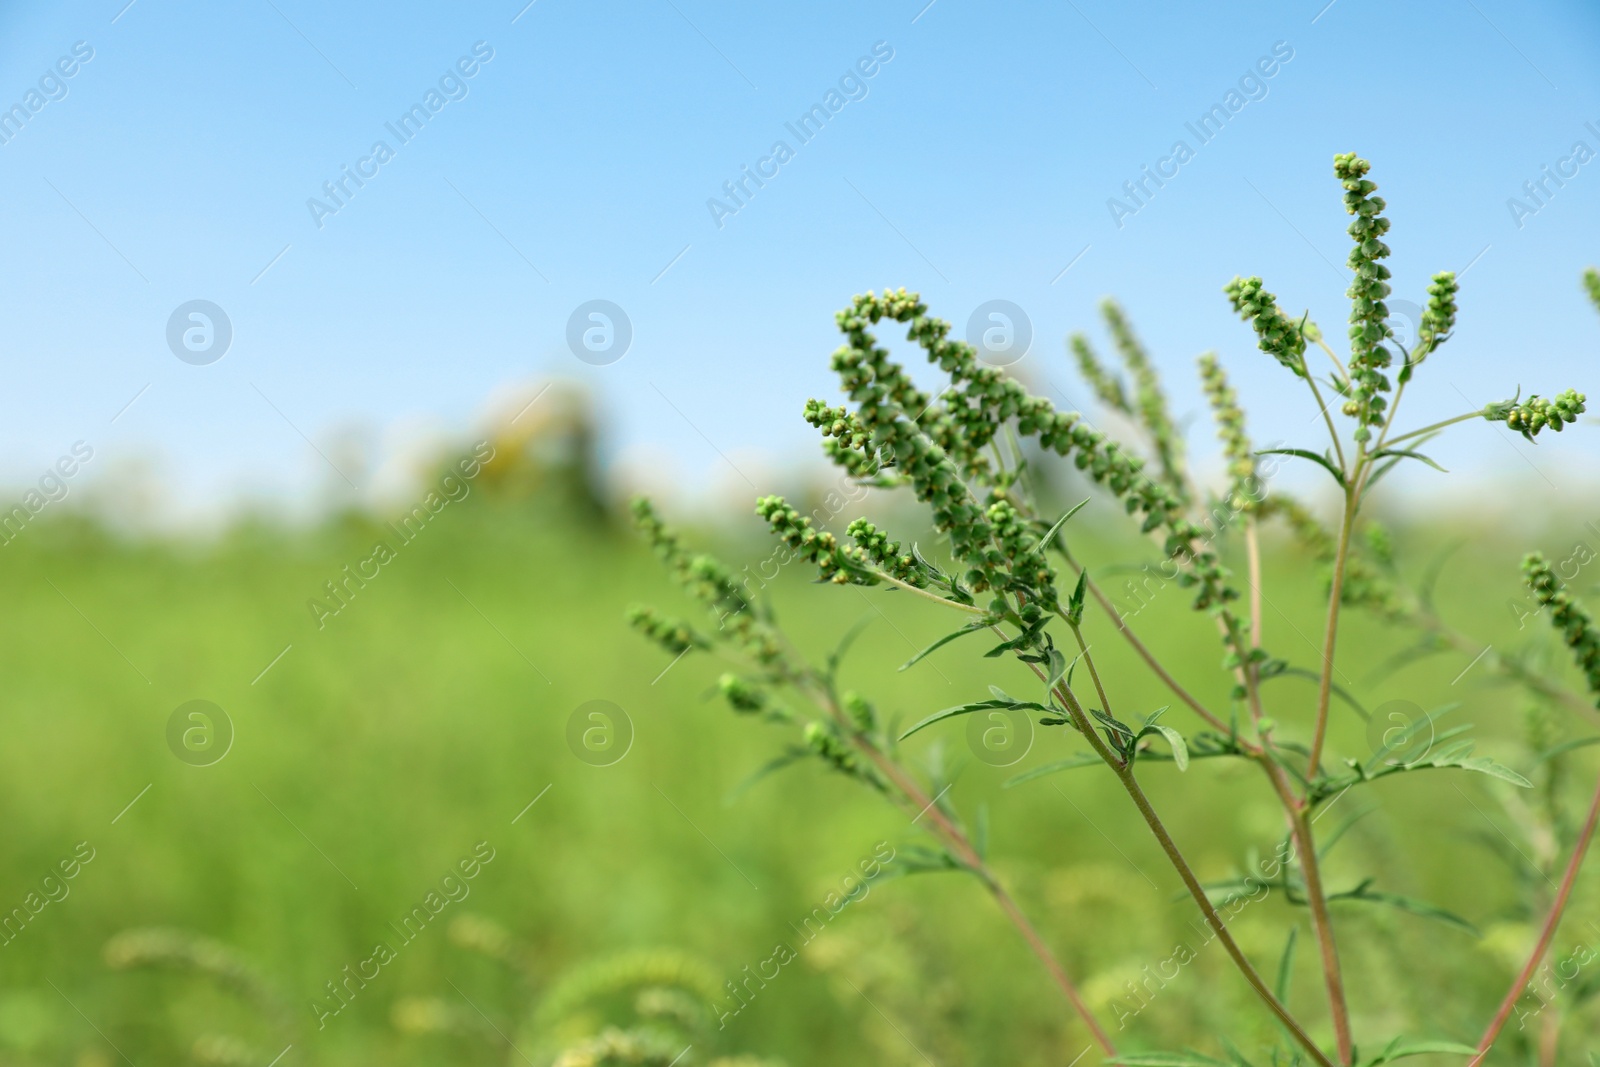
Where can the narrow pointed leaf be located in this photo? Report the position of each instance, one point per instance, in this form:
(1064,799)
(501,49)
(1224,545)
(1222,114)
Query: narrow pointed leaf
(1321,461)
(1082,759)
(945,640)
(1044,542)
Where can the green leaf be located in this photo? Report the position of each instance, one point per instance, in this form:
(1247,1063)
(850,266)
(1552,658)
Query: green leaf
(1082,759)
(1567,746)
(1338,690)
(1058,667)
(794,755)
(1180,750)
(1322,461)
(967,709)
(1326,844)
(945,640)
(1485,765)
(1044,542)
(1420,908)
(837,655)
(919,859)
(1407,453)
(1167,1059)
(1286,966)
(1399,1049)
(1075,602)
(1405,736)
(1113,725)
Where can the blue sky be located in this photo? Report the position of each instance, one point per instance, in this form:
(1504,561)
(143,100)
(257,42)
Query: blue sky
(577,163)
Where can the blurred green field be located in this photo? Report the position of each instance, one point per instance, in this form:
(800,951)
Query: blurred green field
(426,715)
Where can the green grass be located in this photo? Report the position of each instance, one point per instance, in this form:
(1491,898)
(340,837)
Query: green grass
(426,715)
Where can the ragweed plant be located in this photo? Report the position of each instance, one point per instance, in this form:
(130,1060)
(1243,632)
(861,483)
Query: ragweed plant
(1008,568)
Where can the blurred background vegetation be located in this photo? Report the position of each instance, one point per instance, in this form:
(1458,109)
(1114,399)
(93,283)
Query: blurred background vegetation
(422,719)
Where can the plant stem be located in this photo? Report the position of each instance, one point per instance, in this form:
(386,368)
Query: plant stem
(1105,701)
(1130,783)
(1144,653)
(1547,933)
(1326,418)
(1322,922)
(957,840)
(1331,633)
(1197,891)
(1343,371)
(969,856)
(1252,547)
(1322,927)
(1436,426)
(908,587)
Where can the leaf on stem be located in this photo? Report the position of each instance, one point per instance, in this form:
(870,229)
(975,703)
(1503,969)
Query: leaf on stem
(1002,702)
(1180,750)
(1567,746)
(1286,966)
(1304,453)
(1400,1048)
(1082,759)
(1075,602)
(1044,542)
(1420,908)
(945,640)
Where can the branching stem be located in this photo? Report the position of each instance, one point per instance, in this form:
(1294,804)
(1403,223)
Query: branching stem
(1546,933)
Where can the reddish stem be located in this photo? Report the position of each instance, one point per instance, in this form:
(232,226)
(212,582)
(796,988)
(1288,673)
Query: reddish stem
(1546,935)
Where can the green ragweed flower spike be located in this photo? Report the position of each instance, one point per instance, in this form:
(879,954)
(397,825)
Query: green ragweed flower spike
(847,444)
(1591,285)
(674,635)
(1277,335)
(1530,416)
(742,695)
(1438,318)
(812,545)
(1568,616)
(1107,386)
(1152,401)
(836,422)
(861,712)
(714,586)
(874,547)
(1243,485)
(1369,315)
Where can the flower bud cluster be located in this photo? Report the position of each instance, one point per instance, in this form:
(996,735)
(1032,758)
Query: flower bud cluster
(709,582)
(1106,386)
(1439,317)
(1230,430)
(1151,400)
(1276,334)
(822,740)
(1569,617)
(810,544)
(1369,315)
(874,548)
(674,635)
(982,399)
(1536,413)
(750,698)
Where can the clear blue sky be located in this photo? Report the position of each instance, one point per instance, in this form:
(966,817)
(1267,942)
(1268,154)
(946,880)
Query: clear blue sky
(580,159)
